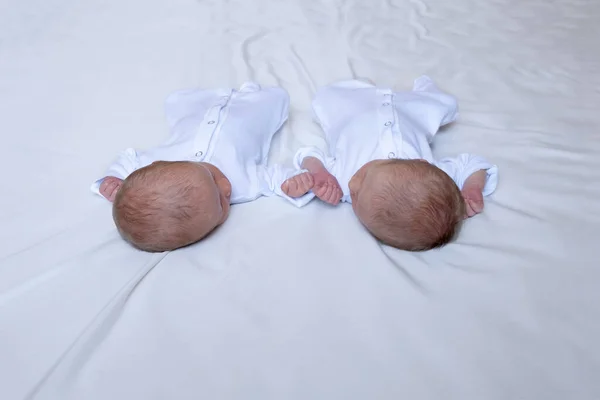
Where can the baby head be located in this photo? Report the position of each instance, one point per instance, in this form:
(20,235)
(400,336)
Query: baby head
(168,205)
(408,204)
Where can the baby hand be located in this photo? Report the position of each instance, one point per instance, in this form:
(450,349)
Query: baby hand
(298,185)
(109,187)
(473,200)
(323,184)
(326,187)
(472,192)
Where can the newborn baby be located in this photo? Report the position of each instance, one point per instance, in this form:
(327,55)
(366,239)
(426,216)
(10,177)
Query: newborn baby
(175,194)
(380,154)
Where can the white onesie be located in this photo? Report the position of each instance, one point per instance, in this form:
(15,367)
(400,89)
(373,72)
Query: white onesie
(231,129)
(364,123)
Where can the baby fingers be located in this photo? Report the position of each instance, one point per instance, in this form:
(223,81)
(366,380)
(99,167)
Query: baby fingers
(298,185)
(328,193)
(108,189)
(114,192)
(472,208)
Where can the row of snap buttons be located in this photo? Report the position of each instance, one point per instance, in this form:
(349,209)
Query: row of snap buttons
(391,154)
(200,153)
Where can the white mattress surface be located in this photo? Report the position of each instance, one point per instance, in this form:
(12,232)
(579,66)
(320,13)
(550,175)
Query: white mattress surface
(282,303)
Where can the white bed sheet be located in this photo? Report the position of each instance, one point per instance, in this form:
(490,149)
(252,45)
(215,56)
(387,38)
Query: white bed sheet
(299,304)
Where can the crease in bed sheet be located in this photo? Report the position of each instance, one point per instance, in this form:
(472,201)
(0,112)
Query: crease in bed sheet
(84,346)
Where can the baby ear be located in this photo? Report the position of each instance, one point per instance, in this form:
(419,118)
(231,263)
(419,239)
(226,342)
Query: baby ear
(222,181)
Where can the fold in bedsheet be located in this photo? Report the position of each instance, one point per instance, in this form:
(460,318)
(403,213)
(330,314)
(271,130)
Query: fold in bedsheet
(282,303)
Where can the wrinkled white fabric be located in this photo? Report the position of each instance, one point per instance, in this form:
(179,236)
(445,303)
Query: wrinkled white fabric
(362,123)
(231,129)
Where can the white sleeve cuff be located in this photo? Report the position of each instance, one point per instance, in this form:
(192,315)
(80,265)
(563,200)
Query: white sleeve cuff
(478,164)
(465,165)
(277,175)
(491,180)
(315,152)
(124,165)
(298,201)
(96,186)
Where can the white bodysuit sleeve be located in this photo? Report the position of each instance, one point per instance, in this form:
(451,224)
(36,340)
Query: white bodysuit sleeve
(444,104)
(277,174)
(315,152)
(461,167)
(427,107)
(126,162)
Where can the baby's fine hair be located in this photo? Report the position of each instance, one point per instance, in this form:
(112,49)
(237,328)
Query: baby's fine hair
(160,208)
(418,207)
